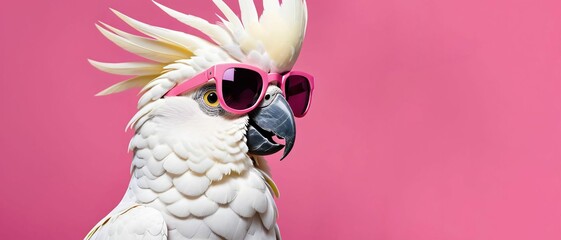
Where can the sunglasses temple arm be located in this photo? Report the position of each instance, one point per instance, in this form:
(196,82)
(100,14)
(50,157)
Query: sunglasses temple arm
(189,84)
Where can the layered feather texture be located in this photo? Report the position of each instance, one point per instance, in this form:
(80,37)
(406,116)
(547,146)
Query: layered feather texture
(193,169)
(203,183)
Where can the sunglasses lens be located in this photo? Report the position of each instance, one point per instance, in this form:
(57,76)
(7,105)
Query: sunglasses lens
(297,91)
(241,88)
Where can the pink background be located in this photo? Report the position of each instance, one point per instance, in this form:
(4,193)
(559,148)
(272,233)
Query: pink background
(432,119)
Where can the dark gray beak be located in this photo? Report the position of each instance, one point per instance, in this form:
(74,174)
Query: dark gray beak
(275,119)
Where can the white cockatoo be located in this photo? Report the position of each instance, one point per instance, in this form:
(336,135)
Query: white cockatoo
(196,171)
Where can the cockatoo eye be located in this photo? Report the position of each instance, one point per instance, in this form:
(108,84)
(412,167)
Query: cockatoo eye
(211,98)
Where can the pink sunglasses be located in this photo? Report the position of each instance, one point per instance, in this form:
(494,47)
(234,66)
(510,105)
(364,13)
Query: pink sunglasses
(241,87)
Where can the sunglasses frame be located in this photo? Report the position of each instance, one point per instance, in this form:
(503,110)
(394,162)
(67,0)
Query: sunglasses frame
(216,73)
(310,81)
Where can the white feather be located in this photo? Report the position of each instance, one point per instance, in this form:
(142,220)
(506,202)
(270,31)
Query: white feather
(193,228)
(216,33)
(135,222)
(155,44)
(270,5)
(176,38)
(229,14)
(191,185)
(144,195)
(129,68)
(142,112)
(161,184)
(249,13)
(270,215)
(175,165)
(202,166)
(227,224)
(165,82)
(243,202)
(222,192)
(141,50)
(180,208)
(170,196)
(161,151)
(155,167)
(202,207)
(136,82)
(180,150)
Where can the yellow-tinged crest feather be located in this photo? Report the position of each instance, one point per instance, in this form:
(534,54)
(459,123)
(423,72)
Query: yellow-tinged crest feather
(136,82)
(216,33)
(129,68)
(164,47)
(249,13)
(141,50)
(228,13)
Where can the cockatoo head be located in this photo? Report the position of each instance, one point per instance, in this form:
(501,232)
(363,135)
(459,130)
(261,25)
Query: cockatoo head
(194,124)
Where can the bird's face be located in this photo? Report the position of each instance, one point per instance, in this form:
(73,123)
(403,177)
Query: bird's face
(197,121)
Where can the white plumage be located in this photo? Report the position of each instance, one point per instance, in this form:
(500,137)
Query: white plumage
(191,175)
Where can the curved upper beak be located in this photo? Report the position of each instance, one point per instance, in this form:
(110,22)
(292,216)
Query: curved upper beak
(275,119)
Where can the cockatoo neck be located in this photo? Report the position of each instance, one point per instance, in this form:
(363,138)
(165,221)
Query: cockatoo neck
(193,148)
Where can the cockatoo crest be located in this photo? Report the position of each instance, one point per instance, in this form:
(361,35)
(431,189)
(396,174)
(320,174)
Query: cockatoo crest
(271,41)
